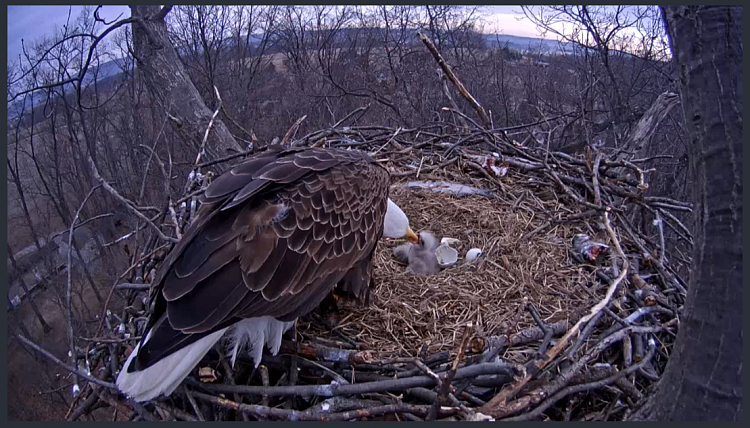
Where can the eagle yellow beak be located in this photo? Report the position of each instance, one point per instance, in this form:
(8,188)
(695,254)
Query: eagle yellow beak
(411,236)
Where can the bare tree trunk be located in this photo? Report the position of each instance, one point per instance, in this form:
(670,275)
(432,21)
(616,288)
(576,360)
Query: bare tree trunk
(168,81)
(650,121)
(24,206)
(703,380)
(13,263)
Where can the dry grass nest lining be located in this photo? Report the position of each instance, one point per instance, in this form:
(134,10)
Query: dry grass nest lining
(407,310)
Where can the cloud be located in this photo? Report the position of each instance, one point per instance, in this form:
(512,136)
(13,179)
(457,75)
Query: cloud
(511,20)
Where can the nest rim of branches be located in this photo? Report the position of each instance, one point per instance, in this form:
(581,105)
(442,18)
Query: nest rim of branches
(509,307)
(550,197)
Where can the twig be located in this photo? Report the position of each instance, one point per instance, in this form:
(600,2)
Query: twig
(595,180)
(57,361)
(546,404)
(53,391)
(81,224)
(672,207)
(87,404)
(669,201)
(325,353)
(564,377)
(152,154)
(127,203)
(445,384)
(426,370)
(465,117)
(107,340)
(637,347)
(82,73)
(234,122)
(177,413)
(547,331)
(448,72)
(541,227)
(193,403)
(572,194)
(360,109)
(72,353)
(208,129)
(678,222)
(214,162)
(173,217)
(585,333)
(659,266)
(632,318)
(642,185)
(387,142)
(295,415)
(659,223)
(614,316)
(229,373)
(265,382)
(360,388)
(292,130)
(142,412)
(426,169)
(130,286)
(444,83)
(114,286)
(163,12)
(460,141)
(335,376)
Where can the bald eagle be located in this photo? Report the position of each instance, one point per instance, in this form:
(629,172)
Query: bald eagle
(273,237)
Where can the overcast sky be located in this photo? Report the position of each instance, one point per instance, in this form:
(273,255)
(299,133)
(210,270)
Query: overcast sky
(33,22)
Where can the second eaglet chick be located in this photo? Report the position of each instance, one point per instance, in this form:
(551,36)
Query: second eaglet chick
(419,257)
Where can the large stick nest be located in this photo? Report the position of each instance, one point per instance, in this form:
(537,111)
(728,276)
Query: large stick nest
(528,331)
(478,338)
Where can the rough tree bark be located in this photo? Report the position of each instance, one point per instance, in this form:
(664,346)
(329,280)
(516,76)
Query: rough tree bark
(703,380)
(168,81)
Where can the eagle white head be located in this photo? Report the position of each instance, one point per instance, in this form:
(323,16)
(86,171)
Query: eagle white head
(396,224)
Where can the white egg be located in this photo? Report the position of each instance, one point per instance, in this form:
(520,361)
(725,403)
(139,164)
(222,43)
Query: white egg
(473,254)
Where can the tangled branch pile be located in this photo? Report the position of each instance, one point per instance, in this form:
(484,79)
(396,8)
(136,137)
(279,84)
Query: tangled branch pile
(477,340)
(570,312)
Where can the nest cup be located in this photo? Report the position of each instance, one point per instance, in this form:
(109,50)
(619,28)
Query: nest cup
(408,310)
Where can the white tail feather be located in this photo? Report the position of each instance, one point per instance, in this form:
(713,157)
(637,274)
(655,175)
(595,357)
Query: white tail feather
(167,374)
(256,332)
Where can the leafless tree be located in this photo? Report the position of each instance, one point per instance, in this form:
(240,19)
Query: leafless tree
(214,79)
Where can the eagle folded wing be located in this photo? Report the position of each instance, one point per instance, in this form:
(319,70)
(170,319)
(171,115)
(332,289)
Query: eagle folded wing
(272,238)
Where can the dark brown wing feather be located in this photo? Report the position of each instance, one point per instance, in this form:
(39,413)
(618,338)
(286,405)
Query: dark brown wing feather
(274,235)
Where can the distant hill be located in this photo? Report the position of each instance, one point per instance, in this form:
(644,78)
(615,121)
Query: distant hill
(526,44)
(109,71)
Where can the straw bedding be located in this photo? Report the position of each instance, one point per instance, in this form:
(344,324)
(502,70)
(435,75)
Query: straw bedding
(408,311)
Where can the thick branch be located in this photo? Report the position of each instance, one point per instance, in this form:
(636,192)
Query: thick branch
(461,89)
